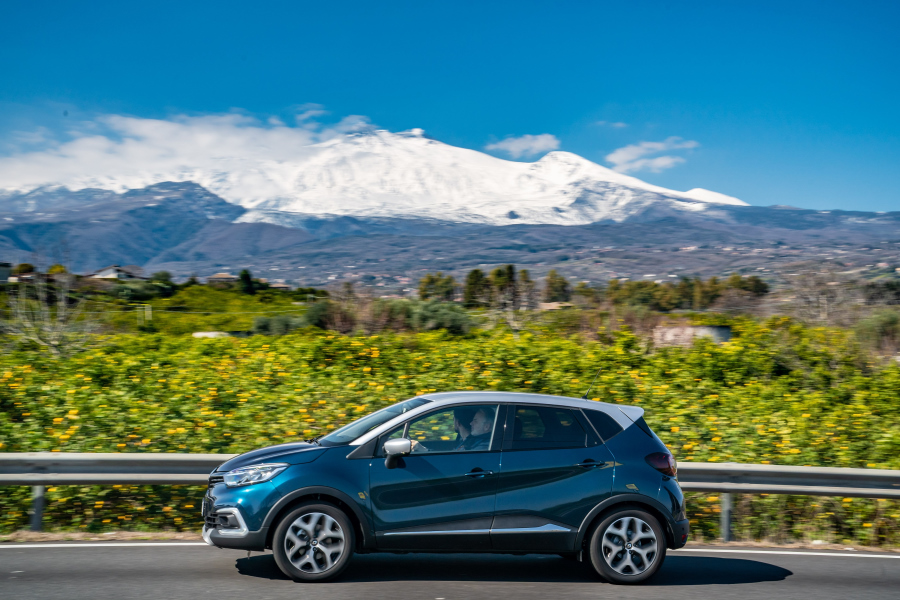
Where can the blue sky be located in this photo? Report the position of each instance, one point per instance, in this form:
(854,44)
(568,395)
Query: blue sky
(772,102)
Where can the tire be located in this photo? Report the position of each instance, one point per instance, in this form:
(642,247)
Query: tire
(313,542)
(627,546)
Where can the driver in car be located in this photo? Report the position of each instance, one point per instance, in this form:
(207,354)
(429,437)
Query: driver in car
(479,432)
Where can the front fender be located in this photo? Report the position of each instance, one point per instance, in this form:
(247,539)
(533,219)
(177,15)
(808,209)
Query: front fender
(368,536)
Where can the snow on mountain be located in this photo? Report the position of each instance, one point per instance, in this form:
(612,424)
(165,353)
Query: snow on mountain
(406,174)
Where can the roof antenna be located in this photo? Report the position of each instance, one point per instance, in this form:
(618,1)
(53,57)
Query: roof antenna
(592,384)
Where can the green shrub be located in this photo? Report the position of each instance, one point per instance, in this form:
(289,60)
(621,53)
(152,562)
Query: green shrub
(776,393)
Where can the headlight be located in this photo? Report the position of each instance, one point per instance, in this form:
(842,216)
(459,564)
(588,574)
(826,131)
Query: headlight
(253,474)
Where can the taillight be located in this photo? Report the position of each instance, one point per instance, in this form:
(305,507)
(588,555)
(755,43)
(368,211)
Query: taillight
(663,462)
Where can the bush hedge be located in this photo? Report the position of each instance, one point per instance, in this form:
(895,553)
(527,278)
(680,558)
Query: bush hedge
(776,393)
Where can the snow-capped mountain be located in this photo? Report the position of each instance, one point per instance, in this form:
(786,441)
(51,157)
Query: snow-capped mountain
(408,175)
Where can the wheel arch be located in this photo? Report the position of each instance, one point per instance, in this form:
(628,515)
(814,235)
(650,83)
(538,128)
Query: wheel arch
(620,502)
(365,539)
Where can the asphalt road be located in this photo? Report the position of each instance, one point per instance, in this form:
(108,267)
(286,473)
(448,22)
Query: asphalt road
(154,570)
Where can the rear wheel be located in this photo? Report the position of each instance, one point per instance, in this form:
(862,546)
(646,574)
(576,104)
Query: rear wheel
(313,542)
(628,546)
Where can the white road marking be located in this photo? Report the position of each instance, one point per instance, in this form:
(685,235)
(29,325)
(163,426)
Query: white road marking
(106,545)
(791,552)
(701,550)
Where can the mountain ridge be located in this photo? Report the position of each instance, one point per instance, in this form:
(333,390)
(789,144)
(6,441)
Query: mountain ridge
(407,175)
(186,229)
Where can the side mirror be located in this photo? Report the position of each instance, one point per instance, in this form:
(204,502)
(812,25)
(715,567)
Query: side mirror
(394,449)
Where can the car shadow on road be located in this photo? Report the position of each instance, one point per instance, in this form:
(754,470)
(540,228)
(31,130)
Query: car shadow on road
(677,570)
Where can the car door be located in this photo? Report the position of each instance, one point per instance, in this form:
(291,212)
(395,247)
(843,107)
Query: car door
(440,497)
(555,470)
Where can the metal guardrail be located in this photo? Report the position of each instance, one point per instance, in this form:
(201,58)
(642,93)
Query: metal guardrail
(38,469)
(738,478)
(87,468)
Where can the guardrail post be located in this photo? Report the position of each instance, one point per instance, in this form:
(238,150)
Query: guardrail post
(725,517)
(37,507)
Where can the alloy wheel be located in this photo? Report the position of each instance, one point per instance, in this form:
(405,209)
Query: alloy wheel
(314,542)
(629,546)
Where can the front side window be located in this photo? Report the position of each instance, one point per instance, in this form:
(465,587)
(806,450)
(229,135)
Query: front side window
(546,427)
(468,428)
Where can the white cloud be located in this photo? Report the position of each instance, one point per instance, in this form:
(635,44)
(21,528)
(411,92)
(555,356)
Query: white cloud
(137,151)
(309,111)
(613,124)
(639,157)
(526,145)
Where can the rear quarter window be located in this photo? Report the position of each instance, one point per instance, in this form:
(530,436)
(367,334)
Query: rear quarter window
(605,425)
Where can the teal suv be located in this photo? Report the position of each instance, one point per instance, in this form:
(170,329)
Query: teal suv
(459,472)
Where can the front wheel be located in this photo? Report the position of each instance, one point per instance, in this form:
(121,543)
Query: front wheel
(313,542)
(628,546)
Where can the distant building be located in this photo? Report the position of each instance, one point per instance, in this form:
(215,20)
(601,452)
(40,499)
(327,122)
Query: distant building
(554,305)
(684,335)
(280,286)
(117,272)
(5,271)
(222,278)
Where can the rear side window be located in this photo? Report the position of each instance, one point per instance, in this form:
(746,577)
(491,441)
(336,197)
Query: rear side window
(546,427)
(605,425)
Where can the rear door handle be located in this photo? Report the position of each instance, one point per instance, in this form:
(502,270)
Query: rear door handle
(590,464)
(478,473)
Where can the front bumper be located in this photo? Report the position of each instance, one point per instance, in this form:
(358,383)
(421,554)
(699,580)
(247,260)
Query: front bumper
(226,528)
(252,540)
(234,517)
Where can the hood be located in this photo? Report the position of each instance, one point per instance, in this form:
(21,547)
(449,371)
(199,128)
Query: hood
(293,453)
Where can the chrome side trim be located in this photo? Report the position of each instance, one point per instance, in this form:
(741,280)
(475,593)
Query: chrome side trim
(205,535)
(240,531)
(443,532)
(548,528)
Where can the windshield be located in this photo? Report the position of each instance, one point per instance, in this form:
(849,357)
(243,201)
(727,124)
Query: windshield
(348,433)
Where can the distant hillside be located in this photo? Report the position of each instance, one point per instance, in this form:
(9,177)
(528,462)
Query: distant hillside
(186,229)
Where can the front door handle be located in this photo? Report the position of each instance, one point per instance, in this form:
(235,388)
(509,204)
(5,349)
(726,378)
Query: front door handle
(590,464)
(478,473)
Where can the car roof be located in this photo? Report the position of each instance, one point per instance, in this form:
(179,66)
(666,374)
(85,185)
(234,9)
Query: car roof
(623,415)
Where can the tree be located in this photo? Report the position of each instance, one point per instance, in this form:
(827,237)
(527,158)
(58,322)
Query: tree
(437,287)
(48,316)
(434,314)
(756,286)
(752,284)
(21,268)
(526,289)
(586,293)
(57,269)
(508,295)
(825,298)
(557,288)
(245,280)
(475,292)
(161,277)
